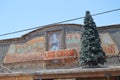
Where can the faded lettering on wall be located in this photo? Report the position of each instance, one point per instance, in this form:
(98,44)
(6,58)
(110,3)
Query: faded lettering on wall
(73,37)
(108,45)
(60,54)
(73,40)
(36,45)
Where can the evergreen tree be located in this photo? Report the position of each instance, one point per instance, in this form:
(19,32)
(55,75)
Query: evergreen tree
(91,53)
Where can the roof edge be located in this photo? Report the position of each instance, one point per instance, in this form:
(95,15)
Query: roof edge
(53,25)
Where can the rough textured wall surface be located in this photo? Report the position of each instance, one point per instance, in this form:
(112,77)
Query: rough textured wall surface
(28,51)
(3,50)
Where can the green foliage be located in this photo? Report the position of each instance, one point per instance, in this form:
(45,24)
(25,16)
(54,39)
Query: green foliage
(91,51)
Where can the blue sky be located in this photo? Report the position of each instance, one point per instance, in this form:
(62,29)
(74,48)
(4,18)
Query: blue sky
(23,14)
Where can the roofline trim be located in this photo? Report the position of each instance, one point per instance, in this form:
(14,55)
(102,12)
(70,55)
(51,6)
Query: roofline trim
(24,36)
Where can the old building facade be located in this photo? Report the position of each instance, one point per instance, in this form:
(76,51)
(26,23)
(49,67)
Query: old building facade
(52,53)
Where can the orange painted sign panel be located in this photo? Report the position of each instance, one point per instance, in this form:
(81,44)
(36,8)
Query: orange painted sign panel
(12,58)
(48,55)
(60,54)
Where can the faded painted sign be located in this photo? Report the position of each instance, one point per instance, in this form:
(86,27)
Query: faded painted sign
(73,37)
(12,58)
(36,45)
(60,54)
(108,45)
(54,40)
(73,40)
(30,51)
(35,49)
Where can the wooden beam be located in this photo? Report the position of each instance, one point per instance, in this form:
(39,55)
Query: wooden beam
(79,75)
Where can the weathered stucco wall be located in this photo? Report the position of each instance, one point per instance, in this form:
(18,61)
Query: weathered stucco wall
(29,50)
(3,50)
